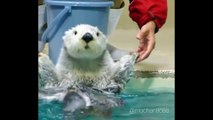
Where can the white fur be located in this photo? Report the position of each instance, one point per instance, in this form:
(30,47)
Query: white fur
(93,66)
(76,46)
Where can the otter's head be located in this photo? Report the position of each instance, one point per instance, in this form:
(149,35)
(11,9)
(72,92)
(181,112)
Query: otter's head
(85,41)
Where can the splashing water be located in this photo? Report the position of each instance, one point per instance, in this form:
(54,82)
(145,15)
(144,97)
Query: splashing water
(138,105)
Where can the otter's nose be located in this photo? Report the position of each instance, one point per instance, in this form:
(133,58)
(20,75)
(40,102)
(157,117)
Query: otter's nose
(87,37)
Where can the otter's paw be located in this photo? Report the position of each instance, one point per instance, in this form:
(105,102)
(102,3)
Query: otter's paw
(47,74)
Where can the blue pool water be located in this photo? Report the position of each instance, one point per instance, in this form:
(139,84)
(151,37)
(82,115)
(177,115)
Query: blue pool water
(139,103)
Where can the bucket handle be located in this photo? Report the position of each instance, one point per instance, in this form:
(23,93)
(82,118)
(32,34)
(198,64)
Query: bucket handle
(55,21)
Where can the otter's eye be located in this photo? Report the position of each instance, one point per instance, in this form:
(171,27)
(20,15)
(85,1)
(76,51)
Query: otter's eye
(97,33)
(75,32)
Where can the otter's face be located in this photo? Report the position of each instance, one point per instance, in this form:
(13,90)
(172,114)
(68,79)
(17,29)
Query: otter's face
(85,41)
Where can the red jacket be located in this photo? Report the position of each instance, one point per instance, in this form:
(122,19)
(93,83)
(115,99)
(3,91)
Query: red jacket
(142,11)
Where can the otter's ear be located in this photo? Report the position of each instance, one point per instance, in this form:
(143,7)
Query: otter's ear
(96,27)
(66,32)
(77,25)
(63,37)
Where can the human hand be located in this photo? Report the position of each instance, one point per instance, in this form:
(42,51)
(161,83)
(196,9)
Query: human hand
(146,37)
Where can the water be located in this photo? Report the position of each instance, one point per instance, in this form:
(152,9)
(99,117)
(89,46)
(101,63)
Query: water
(152,100)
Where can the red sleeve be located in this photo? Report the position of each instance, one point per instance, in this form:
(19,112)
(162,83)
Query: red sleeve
(143,11)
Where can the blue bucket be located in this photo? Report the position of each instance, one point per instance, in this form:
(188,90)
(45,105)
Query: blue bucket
(64,14)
